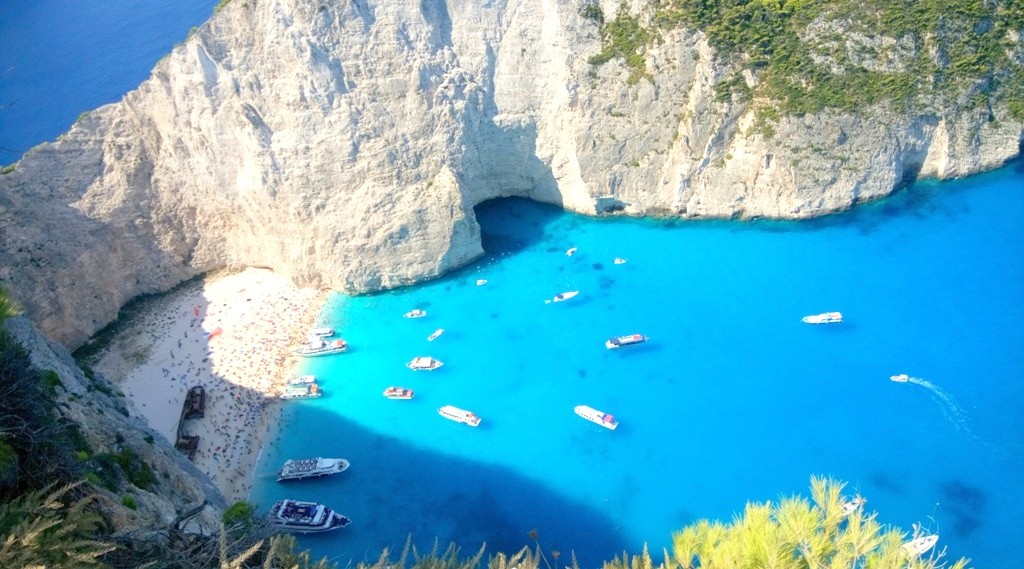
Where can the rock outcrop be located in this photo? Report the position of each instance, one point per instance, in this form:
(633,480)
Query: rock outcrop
(345,144)
(103,418)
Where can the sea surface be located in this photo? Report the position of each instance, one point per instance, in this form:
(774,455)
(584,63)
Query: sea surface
(733,399)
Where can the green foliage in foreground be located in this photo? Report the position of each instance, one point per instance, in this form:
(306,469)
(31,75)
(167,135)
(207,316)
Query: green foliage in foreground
(811,55)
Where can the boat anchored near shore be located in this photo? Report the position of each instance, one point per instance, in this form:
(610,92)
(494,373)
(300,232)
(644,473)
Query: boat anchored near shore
(317,346)
(306,517)
(311,468)
(606,420)
(302,391)
(398,393)
(453,413)
(415,313)
(424,363)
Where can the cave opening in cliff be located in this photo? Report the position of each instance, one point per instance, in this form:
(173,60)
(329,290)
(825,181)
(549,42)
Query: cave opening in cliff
(510,225)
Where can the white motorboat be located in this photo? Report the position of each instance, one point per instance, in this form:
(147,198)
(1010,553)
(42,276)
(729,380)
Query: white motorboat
(594,416)
(619,261)
(398,393)
(919,545)
(823,318)
(311,468)
(306,517)
(322,332)
(435,335)
(563,296)
(620,341)
(302,391)
(421,363)
(301,380)
(900,378)
(317,346)
(570,252)
(853,505)
(459,415)
(415,313)
(481,282)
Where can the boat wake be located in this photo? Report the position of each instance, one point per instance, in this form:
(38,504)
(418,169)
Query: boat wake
(952,411)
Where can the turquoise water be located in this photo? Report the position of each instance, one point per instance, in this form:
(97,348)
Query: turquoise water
(732,399)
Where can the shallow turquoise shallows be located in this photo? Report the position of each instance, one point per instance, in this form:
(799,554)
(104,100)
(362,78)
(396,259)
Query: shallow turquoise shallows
(732,399)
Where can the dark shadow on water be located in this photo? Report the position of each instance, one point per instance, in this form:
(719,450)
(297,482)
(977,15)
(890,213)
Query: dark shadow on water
(509,225)
(394,490)
(966,504)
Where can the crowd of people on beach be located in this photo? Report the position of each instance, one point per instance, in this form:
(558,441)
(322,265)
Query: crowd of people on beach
(233,338)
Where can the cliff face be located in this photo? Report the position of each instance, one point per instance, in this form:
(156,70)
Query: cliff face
(346,144)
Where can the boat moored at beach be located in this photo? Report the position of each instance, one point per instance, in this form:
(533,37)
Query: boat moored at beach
(620,341)
(900,378)
(398,393)
(823,318)
(317,346)
(322,332)
(919,545)
(301,380)
(594,416)
(302,391)
(424,363)
(311,468)
(415,313)
(306,517)
(453,413)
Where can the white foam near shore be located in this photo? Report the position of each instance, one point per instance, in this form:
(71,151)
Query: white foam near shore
(230,334)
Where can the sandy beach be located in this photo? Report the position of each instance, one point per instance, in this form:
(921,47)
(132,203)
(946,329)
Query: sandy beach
(232,334)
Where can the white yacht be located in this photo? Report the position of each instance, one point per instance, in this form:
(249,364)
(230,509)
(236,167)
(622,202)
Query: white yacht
(311,468)
(421,363)
(459,415)
(620,341)
(306,517)
(415,313)
(919,545)
(823,318)
(900,378)
(619,261)
(481,282)
(594,416)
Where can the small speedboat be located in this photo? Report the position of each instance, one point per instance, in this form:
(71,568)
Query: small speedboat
(620,341)
(900,378)
(322,332)
(853,505)
(415,313)
(920,545)
(424,363)
(398,393)
(435,335)
(481,282)
(619,261)
(563,296)
(823,318)
(570,252)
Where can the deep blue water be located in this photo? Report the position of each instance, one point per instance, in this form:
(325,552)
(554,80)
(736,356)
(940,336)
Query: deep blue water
(60,58)
(733,399)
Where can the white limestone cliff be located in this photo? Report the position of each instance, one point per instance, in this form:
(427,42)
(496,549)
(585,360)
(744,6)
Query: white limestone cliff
(345,144)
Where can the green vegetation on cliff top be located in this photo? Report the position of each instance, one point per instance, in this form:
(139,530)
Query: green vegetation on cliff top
(812,55)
